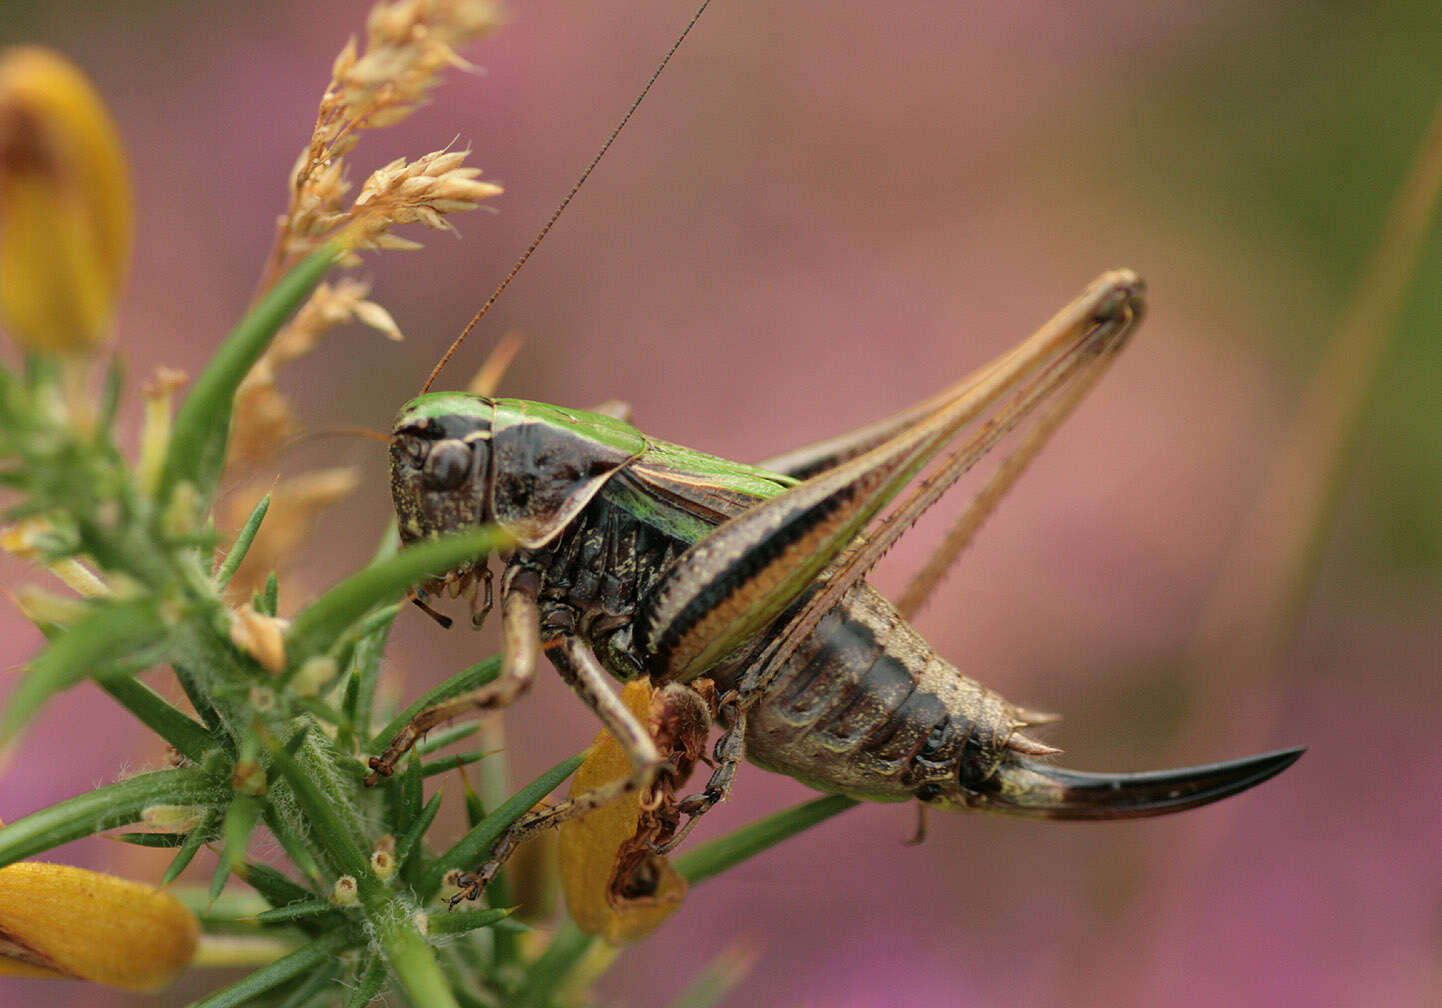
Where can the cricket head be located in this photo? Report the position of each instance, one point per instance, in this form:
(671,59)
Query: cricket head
(441,472)
(460,460)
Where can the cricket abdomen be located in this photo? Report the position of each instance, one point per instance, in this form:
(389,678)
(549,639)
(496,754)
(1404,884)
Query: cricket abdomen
(867,709)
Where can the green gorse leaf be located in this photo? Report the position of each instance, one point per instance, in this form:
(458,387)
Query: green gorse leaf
(713,858)
(96,646)
(187,737)
(473,847)
(310,956)
(118,804)
(319,625)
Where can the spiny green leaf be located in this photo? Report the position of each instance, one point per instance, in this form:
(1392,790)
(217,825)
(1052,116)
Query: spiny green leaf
(275,888)
(725,852)
(321,623)
(404,795)
(107,807)
(296,911)
(475,805)
(241,546)
(454,762)
(442,737)
(365,667)
(240,820)
(465,681)
(291,842)
(369,981)
(461,921)
(409,843)
(190,739)
(203,833)
(96,645)
(366,658)
(201,702)
(477,844)
(312,987)
(308,957)
(160,841)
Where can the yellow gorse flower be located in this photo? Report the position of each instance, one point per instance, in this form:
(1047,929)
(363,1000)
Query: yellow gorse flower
(65,205)
(592,846)
(61,921)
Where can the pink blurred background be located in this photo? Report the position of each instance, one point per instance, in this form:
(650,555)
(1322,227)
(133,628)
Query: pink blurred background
(824,213)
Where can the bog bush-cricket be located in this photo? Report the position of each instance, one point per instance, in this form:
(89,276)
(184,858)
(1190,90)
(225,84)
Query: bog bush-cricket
(633,558)
(741,591)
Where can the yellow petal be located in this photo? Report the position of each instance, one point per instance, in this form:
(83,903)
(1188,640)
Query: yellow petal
(56,920)
(590,845)
(65,205)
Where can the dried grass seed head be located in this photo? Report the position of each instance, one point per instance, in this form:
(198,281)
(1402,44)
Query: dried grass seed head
(408,45)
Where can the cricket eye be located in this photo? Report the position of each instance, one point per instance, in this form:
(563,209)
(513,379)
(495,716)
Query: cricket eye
(411,449)
(447,466)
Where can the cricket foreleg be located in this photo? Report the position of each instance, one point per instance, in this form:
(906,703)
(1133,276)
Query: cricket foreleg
(481,607)
(520,623)
(730,750)
(584,674)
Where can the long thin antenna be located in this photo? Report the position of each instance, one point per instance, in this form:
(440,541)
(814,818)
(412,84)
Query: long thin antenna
(541,235)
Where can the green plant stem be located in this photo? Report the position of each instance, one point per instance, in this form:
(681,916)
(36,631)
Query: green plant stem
(411,959)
